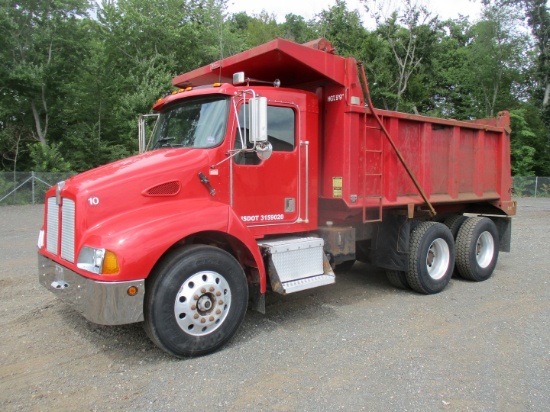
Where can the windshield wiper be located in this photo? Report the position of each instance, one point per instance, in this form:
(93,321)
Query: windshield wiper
(161,142)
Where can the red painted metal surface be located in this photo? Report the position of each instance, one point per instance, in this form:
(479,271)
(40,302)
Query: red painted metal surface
(341,168)
(453,161)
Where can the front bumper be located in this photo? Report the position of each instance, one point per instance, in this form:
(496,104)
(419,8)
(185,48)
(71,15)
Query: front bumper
(105,303)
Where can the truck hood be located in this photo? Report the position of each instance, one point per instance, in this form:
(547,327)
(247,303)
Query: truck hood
(137,182)
(151,164)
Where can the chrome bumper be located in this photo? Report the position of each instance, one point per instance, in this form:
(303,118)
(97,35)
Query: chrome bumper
(105,303)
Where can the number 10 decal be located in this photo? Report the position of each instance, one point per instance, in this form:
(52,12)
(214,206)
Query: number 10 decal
(93,201)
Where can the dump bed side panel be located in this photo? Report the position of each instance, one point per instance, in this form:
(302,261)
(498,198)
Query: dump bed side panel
(453,161)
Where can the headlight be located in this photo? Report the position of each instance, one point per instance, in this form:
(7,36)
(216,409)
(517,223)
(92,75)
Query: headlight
(97,260)
(40,242)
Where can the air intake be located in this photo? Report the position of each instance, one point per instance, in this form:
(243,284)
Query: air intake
(164,189)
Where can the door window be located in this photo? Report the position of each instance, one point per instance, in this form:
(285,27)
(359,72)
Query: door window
(281,133)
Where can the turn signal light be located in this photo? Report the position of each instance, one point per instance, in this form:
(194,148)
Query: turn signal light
(110,264)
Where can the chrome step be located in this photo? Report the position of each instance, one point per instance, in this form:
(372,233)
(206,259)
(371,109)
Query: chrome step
(307,283)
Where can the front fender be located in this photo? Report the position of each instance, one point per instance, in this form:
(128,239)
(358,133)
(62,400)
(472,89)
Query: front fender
(140,237)
(237,229)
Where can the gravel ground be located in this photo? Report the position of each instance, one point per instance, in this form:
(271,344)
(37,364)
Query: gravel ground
(359,344)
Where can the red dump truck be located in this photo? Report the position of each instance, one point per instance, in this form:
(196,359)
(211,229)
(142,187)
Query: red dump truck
(266,171)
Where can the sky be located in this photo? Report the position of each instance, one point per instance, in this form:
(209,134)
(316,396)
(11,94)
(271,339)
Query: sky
(309,8)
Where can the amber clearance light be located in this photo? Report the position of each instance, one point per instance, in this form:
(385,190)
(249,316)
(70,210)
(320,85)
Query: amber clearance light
(110,264)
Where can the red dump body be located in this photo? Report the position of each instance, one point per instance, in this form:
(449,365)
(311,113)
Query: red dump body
(455,162)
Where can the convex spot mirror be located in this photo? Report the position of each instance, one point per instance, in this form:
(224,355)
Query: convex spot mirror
(264,150)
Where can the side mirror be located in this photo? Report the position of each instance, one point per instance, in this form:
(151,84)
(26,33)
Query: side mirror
(258,119)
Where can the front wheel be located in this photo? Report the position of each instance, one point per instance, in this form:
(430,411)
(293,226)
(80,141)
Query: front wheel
(195,300)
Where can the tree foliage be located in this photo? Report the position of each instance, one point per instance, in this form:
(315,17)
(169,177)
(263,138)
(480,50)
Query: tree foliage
(76,73)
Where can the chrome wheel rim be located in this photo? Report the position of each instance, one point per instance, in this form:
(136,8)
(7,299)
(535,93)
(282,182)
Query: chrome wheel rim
(485,249)
(202,303)
(438,259)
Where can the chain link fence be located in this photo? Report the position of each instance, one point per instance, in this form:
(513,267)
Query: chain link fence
(531,186)
(22,188)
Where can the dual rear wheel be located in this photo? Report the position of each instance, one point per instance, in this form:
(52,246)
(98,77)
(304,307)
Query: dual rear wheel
(433,252)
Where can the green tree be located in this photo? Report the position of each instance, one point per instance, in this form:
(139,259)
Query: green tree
(261,29)
(497,57)
(401,55)
(37,51)
(344,29)
(48,158)
(295,28)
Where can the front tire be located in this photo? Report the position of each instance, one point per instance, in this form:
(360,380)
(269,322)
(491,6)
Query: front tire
(477,247)
(195,300)
(431,257)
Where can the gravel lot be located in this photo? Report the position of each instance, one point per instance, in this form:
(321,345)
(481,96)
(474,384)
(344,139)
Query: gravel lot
(360,344)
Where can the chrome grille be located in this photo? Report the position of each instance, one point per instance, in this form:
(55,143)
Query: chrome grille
(67,229)
(52,226)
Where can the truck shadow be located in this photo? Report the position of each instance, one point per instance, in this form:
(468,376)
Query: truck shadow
(130,344)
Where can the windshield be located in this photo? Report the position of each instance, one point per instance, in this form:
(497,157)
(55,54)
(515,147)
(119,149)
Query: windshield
(199,123)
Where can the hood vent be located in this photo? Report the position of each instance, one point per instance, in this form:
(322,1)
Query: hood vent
(164,189)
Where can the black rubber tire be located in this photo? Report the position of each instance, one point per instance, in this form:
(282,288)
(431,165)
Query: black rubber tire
(344,266)
(398,279)
(454,222)
(429,240)
(168,280)
(477,247)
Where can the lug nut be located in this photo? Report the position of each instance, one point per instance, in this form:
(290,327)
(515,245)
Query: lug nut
(211,289)
(196,316)
(203,320)
(218,311)
(196,297)
(203,290)
(218,293)
(220,302)
(211,318)
(193,307)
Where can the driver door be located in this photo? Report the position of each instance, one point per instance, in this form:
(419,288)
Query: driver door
(267,192)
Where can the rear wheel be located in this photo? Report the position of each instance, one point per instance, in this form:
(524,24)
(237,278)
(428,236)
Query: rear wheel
(195,300)
(431,257)
(454,223)
(398,279)
(477,247)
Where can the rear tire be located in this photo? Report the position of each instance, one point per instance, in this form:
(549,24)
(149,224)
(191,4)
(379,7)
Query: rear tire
(454,223)
(398,279)
(431,257)
(195,300)
(477,247)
